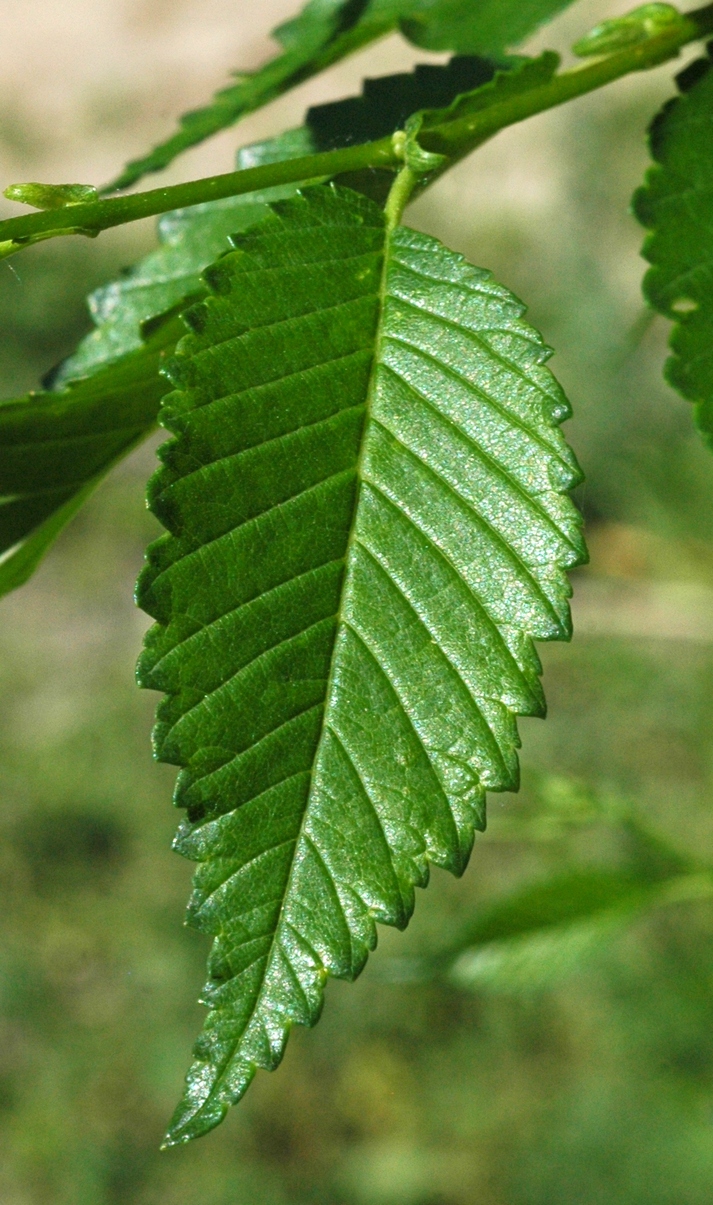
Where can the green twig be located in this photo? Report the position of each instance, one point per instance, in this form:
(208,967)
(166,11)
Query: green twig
(94,216)
(457,138)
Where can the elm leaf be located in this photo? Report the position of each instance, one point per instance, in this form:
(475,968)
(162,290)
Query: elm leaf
(367,528)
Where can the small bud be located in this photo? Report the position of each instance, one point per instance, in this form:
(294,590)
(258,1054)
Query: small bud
(634,27)
(51,196)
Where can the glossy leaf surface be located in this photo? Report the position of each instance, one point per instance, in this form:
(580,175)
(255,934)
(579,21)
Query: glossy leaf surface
(676,204)
(368,527)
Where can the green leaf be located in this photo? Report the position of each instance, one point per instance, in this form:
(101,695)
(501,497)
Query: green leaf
(484,27)
(18,563)
(383,107)
(56,447)
(539,959)
(326,31)
(388,101)
(524,74)
(577,895)
(189,240)
(368,527)
(676,204)
(530,940)
(466,85)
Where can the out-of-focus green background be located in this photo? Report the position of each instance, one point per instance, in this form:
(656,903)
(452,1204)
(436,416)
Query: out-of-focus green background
(598,1091)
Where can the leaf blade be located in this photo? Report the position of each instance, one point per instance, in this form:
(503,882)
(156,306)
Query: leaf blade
(189,240)
(327,30)
(676,204)
(56,447)
(341,703)
(485,28)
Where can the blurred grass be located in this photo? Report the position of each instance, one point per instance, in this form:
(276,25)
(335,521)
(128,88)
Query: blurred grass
(599,1092)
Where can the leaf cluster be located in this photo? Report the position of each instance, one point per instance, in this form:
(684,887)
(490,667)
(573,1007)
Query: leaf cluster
(366,505)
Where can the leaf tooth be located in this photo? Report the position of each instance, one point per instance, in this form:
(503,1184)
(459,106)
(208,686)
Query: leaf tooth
(201,582)
(255,480)
(230,882)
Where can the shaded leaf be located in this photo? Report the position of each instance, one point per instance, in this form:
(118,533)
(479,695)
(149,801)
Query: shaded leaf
(368,528)
(676,204)
(532,939)
(327,30)
(324,32)
(522,75)
(388,101)
(383,107)
(466,85)
(56,447)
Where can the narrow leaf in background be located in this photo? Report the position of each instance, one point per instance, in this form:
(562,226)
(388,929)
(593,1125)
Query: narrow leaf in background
(368,527)
(524,952)
(676,204)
